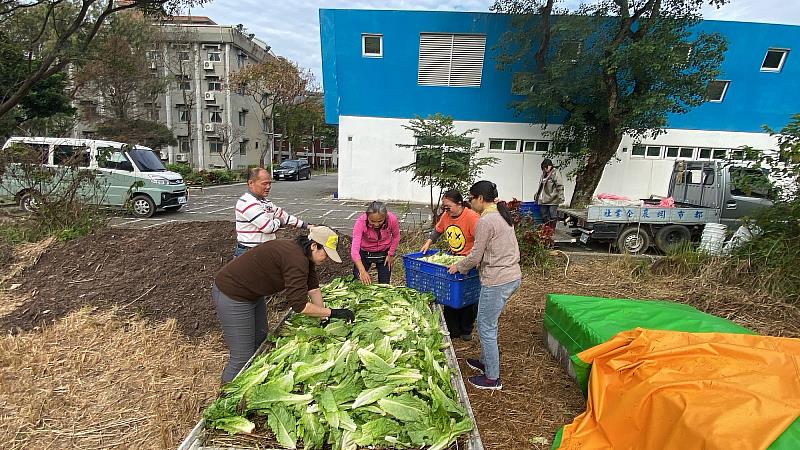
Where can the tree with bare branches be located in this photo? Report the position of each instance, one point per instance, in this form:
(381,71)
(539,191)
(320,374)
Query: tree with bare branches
(229,135)
(277,85)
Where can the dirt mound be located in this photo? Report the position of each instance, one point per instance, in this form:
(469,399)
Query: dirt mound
(157,273)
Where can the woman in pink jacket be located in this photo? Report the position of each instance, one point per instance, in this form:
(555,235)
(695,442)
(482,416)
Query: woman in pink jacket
(376,234)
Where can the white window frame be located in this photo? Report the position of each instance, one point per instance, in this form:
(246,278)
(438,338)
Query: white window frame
(217,55)
(364,53)
(217,84)
(184,145)
(785,52)
(700,152)
(724,91)
(503,146)
(183,114)
(216,143)
(211,115)
(535,143)
(182,53)
(661,151)
(242,118)
(724,157)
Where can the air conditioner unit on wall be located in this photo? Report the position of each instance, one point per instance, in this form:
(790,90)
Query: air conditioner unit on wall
(209,127)
(208,65)
(181,158)
(210,97)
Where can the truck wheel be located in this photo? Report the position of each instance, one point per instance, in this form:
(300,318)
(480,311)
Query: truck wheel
(143,207)
(633,240)
(672,236)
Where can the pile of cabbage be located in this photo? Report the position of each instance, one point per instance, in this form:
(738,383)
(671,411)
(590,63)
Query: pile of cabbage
(381,381)
(443,259)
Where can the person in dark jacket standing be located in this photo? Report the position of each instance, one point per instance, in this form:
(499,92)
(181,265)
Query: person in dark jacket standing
(240,288)
(550,194)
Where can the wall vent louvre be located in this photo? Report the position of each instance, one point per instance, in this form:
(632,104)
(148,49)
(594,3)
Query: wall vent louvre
(454,60)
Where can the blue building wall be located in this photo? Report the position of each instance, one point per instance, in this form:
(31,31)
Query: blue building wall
(387,86)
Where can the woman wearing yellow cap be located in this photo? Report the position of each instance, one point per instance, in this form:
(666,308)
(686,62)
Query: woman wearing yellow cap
(241,286)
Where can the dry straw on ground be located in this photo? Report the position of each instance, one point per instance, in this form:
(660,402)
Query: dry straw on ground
(95,381)
(102,378)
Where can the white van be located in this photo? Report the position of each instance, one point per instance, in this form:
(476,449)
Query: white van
(119,170)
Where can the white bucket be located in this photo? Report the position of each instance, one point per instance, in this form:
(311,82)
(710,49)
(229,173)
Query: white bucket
(713,238)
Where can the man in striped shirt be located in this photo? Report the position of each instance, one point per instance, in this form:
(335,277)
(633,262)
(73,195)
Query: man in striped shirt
(257,218)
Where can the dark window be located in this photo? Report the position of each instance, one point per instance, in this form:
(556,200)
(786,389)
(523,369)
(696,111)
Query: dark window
(716,90)
(773,60)
(521,83)
(686,152)
(372,45)
(243,148)
(146,160)
(214,84)
(215,146)
(111,158)
(672,152)
(638,150)
(705,153)
(569,51)
(68,155)
(750,183)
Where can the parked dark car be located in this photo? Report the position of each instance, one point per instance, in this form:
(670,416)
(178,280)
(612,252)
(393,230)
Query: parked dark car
(292,169)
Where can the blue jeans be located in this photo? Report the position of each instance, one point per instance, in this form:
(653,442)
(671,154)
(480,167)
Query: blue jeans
(549,213)
(239,250)
(490,305)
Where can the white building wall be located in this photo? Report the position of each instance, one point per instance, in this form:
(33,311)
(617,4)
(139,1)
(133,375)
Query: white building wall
(368,156)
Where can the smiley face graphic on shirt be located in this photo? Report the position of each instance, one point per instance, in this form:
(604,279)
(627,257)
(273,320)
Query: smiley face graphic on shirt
(455,238)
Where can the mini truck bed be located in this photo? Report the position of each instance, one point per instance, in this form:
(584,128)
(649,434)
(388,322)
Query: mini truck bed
(197,437)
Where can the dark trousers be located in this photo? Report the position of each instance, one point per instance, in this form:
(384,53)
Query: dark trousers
(244,328)
(460,321)
(379,260)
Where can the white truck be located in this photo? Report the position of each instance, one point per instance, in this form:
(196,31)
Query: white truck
(703,192)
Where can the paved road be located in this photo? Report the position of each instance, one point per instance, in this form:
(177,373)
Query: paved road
(311,200)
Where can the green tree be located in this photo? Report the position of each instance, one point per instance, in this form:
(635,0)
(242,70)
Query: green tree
(443,158)
(608,69)
(45,105)
(55,33)
(771,256)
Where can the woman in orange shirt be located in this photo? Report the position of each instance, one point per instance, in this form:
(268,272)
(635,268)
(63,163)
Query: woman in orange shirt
(457,224)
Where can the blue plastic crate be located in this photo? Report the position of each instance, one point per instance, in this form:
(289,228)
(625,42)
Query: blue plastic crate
(455,291)
(530,209)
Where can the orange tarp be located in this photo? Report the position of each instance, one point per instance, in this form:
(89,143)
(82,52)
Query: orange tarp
(664,389)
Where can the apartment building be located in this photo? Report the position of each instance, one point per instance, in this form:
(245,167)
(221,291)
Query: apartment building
(211,122)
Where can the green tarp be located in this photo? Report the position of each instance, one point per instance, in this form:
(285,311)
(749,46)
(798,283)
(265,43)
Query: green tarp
(580,322)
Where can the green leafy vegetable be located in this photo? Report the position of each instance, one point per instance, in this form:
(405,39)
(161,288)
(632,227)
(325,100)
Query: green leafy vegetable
(381,381)
(443,259)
